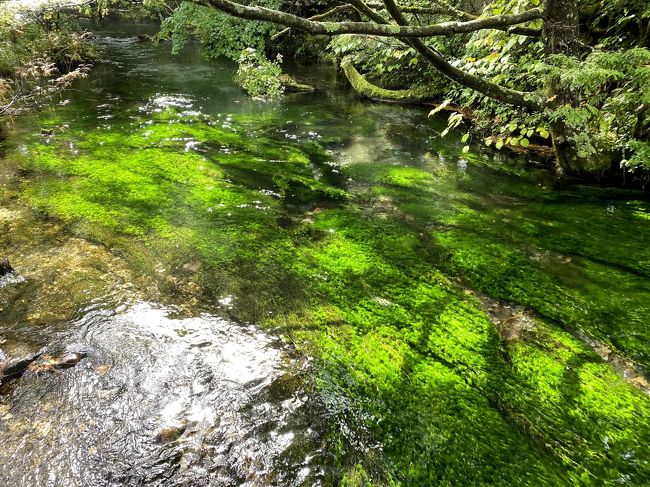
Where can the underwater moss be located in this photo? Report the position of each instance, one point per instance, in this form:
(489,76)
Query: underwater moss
(372,269)
(398,324)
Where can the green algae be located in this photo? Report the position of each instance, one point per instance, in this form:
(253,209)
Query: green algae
(577,390)
(406,356)
(219,203)
(421,326)
(549,250)
(443,390)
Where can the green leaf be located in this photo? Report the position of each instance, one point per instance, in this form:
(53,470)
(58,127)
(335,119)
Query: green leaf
(440,107)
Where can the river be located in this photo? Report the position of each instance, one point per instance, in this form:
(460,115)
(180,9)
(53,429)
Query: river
(310,291)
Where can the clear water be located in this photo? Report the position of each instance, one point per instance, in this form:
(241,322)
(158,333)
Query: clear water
(262,287)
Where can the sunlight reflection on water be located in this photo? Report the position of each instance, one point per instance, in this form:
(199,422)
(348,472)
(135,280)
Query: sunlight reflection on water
(206,398)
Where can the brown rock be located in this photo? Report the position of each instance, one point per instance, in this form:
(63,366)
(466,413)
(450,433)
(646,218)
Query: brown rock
(5,267)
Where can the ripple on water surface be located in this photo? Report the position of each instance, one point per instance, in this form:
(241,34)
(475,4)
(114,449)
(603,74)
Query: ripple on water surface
(161,401)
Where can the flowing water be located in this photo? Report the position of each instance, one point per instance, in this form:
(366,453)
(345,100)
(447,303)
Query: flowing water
(307,291)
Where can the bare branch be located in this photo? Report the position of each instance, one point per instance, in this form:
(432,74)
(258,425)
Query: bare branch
(329,13)
(35,86)
(443,8)
(6,109)
(365,9)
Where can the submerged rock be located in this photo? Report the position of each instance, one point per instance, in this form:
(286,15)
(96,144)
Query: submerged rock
(514,323)
(5,267)
(65,361)
(39,361)
(16,367)
(167,434)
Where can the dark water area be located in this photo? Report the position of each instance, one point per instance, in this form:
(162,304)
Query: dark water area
(318,290)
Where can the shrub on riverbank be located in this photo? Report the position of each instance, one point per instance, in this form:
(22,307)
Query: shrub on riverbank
(41,52)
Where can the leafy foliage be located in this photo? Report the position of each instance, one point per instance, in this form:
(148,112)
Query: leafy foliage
(217,33)
(623,22)
(608,122)
(41,52)
(614,89)
(259,76)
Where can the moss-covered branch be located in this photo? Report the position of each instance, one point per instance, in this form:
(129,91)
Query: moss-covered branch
(368,90)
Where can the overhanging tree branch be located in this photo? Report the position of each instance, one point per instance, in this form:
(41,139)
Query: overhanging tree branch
(408,34)
(492,90)
(370,28)
(449,10)
(444,67)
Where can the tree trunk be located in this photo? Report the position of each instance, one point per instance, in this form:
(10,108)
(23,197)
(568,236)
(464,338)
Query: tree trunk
(561,27)
(560,32)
